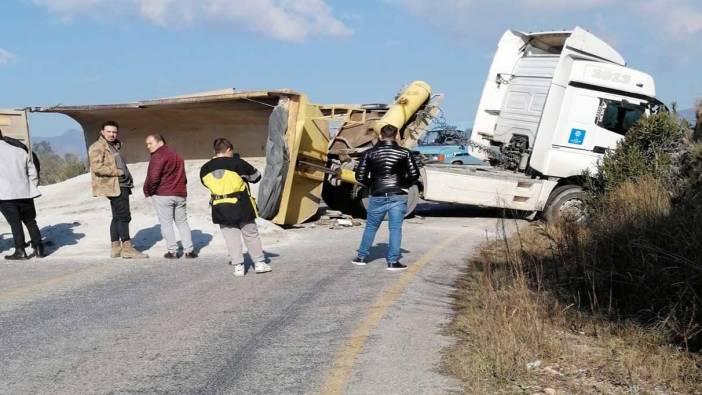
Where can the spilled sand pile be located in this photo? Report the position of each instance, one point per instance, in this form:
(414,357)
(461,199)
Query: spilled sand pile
(76,224)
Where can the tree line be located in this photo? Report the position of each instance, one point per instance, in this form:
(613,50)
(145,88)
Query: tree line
(56,168)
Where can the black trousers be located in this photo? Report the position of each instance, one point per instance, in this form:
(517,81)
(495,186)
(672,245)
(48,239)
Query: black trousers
(17,212)
(121,215)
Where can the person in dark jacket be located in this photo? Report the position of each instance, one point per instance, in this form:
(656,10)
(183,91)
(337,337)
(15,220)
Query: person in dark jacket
(166,185)
(19,182)
(227,177)
(387,170)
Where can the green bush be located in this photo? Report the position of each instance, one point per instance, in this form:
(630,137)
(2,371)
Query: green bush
(655,146)
(698,124)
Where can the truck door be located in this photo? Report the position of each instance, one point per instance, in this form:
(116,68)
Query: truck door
(596,120)
(14,124)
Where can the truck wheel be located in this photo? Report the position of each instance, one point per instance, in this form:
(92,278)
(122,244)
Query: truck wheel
(339,197)
(456,162)
(412,200)
(566,203)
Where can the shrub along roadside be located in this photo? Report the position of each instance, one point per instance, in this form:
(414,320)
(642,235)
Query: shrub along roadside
(613,305)
(640,258)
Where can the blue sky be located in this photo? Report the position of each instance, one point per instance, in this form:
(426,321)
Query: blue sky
(101,51)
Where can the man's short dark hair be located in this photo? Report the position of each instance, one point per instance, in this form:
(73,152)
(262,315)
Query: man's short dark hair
(221,145)
(0,133)
(109,123)
(158,137)
(388,132)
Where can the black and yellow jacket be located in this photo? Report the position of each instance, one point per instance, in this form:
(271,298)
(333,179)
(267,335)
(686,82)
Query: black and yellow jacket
(228,179)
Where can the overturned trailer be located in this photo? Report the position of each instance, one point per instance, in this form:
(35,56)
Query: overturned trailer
(13,124)
(190,124)
(302,157)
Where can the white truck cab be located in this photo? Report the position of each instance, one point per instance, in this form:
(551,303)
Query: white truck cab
(552,105)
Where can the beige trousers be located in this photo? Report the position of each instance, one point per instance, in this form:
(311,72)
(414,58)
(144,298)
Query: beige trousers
(249,232)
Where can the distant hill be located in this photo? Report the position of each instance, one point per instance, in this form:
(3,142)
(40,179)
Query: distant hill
(69,142)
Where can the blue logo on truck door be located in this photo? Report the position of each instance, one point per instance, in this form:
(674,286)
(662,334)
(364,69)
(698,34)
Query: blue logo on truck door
(577,136)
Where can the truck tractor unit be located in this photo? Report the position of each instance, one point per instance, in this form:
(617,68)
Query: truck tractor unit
(553,103)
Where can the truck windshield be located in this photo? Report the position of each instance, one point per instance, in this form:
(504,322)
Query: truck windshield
(618,116)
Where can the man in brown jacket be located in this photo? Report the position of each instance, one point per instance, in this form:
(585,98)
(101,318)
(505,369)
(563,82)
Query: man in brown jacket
(111,178)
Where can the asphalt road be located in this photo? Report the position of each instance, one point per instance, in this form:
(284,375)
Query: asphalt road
(316,324)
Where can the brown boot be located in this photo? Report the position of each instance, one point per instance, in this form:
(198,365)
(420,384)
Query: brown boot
(116,251)
(129,252)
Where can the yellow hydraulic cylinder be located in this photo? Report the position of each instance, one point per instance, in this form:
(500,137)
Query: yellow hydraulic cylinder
(409,101)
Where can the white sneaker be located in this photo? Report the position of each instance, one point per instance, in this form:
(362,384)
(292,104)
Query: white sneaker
(239,270)
(262,267)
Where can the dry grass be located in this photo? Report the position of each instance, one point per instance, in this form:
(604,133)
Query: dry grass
(571,297)
(506,319)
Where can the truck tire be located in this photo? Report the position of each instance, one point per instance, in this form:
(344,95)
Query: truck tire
(412,200)
(339,197)
(566,203)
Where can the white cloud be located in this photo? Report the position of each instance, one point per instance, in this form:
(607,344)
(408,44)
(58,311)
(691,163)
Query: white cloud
(288,20)
(505,8)
(675,25)
(6,56)
(678,18)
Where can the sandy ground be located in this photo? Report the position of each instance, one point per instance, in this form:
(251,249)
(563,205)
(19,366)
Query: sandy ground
(76,224)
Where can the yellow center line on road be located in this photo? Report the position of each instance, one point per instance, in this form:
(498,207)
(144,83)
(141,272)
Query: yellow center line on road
(342,365)
(28,289)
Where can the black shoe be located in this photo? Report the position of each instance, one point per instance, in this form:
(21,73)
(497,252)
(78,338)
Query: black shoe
(39,251)
(191,255)
(359,261)
(396,266)
(19,255)
(170,255)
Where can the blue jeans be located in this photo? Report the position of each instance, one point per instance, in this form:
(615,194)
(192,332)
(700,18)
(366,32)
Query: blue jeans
(396,207)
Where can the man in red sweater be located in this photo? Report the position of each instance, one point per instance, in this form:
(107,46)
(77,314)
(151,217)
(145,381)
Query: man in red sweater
(166,185)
